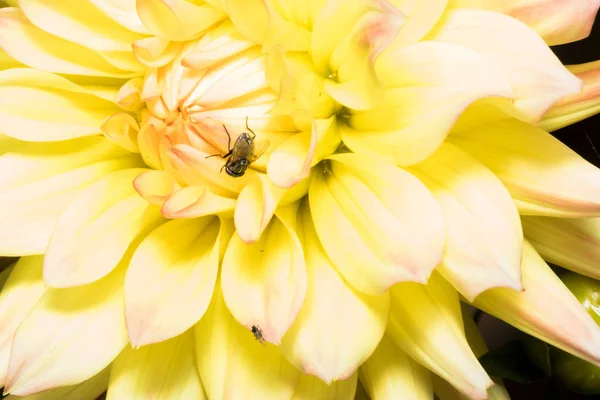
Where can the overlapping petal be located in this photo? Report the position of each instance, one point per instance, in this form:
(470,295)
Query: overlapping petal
(425,322)
(233,364)
(337,328)
(96,229)
(538,79)
(123,12)
(405,126)
(160,371)
(312,388)
(69,336)
(572,243)
(553,182)
(483,230)
(389,371)
(171,278)
(557,21)
(264,284)
(384,214)
(546,309)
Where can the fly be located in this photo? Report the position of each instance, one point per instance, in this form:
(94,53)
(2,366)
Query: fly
(243,153)
(258,335)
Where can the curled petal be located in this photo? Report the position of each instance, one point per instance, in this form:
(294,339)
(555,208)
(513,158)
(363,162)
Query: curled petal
(384,214)
(312,388)
(160,371)
(557,21)
(425,322)
(23,288)
(63,110)
(421,17)
(155,52)
(553,182)
(232,363)
(264,284)
(94,232)
(129,97)
(318,342)
(122,129)
(177,20)
(155,186)
(32,46)
(483,230)
(578,106)
(404,126)
(546,310)
(170,279)
(390,371)
(572,243)
(195,201)
(250,17)
(538,79)
(84,330)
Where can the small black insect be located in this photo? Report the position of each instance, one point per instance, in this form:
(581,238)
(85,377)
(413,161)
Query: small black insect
(258,335)
(244,152)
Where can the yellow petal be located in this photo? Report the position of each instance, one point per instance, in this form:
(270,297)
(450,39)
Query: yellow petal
(421,17)
(90,389)
(537,77)
(579,106)
(177,20)
(122,129)
(483,230)
(162,371)
(389,371)
(195,201)
(404,126)
(546,310)
(264,284)
(425,322)
(312,388)
(250,17)
(6,270)
(129,97)
(318,342)
(84,330)
(171,278)
(572,243)
(21,291)
(155,185)
(45,178)
(292,161)
(155,52)
(384,214)
(7,61)
(32,46)
(79,22)
(554,182)
(123,12)
(94,232)
(233,364)
(255,207)
(40,106)
(557,21)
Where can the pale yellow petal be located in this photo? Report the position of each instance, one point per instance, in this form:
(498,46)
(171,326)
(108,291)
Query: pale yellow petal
(546,309)
(538,79)
(390,371)
(94,232)
(250,17)
(421,17)
(90,389)
(312,388)
(7,61)
(69,336)
(21,291)
(483,230)
(404,126)
(557,21)
(264,284)
(171,278)
(154,52)
(155,186)
(318,342)
(63,110)
(122,129)
(123,12)
(34,47)
(425,322)
(384,214)
(177,20)
(162,371)
(578,106)
(572,243)
(553,182)
(196,201)
(45,178)
(233,364)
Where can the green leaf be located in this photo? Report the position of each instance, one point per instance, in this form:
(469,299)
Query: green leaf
(511,362)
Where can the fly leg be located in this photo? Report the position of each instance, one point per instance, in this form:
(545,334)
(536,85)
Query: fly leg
(247,127)
(229,151)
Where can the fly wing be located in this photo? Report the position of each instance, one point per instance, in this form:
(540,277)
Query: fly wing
(260,146)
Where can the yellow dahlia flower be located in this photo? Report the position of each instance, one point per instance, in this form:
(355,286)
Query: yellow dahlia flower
(404,143)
